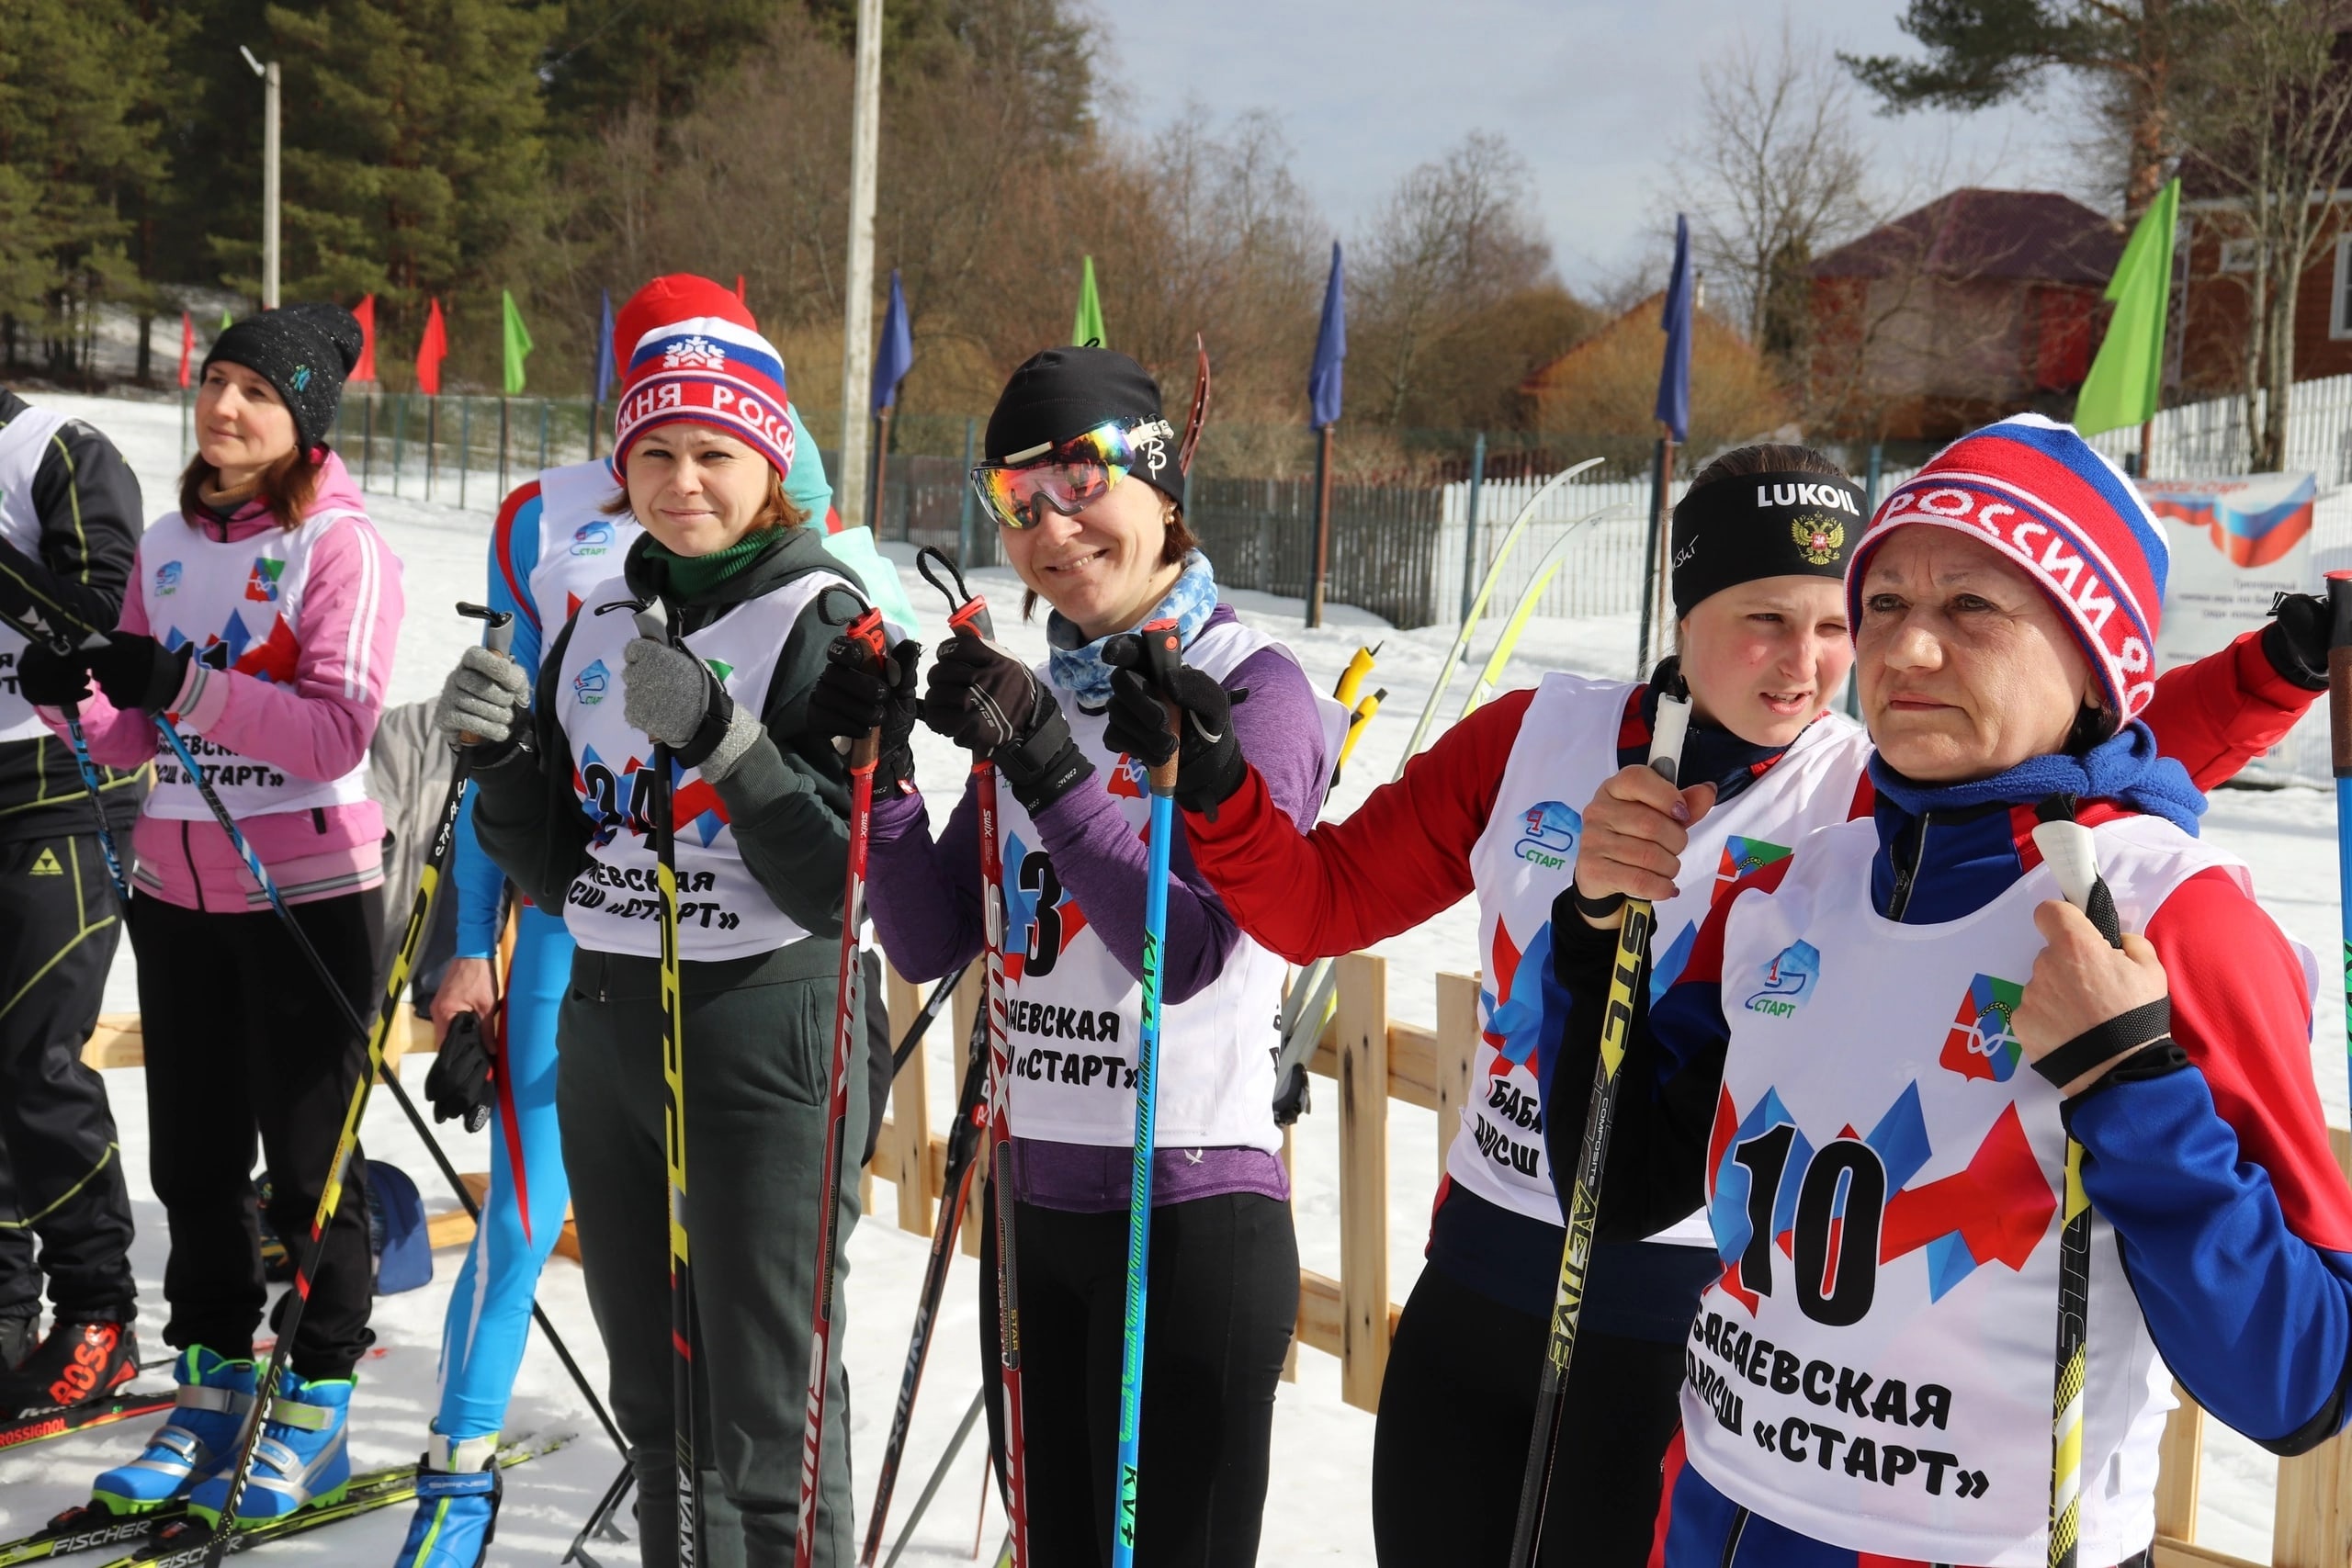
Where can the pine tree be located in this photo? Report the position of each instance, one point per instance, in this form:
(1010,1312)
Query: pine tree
(412,145)
(72,146)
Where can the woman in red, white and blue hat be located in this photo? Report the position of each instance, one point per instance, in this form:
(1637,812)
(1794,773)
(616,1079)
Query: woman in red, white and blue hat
(704,447)
(1896,1031)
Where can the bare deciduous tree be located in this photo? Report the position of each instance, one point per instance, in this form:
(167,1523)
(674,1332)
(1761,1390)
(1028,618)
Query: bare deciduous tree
(2267,119)
(1775,176)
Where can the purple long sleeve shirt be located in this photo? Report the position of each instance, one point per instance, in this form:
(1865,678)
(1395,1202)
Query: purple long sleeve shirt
(925,896)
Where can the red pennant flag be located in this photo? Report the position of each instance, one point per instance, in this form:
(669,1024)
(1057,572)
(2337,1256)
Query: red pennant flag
(738,288)
(431,351)
(187,346)
(365,314)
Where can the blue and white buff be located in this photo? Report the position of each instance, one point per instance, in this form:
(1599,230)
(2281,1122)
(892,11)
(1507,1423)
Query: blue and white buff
(1078,667)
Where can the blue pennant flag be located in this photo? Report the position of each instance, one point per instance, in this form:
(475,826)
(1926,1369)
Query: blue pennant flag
(1330,349)
(1674,375)
(896,353)
(605,348)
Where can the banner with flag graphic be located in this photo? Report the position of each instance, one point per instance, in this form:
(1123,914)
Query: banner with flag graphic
(2235,543)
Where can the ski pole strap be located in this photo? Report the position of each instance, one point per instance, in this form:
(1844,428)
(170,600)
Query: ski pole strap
(1163,653)
(2144,1025)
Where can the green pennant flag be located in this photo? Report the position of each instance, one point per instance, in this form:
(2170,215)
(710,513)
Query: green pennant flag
(2126,382)
(1088,328)
(518,344)
(224,321)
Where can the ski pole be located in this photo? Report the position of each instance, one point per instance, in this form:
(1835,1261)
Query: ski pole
(970,618)
(939,1475)
(605,1507)
(942,993)
(2066,846)
(1593,1157)
(497,639)
(2339,737)
(654,622)
(963,1143)
(867,631)
(1162,648)
(57,642)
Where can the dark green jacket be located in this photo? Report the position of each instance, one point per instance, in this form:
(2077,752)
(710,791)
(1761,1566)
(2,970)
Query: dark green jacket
(787,800)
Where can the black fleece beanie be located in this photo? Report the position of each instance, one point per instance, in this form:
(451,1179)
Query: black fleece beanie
(305,351)
(1063,393)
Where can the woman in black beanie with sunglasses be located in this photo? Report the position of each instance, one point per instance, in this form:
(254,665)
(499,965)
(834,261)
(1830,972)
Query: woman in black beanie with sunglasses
(1085,481)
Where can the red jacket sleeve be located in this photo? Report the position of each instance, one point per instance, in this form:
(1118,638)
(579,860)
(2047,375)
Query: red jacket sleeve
(2219,713)
(1399,858)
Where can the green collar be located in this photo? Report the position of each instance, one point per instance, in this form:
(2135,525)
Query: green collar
(691,577)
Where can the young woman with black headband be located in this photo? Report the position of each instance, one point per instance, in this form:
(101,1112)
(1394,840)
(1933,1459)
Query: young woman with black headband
(1497,807)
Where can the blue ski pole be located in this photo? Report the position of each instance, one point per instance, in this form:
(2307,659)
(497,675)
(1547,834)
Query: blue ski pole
(1161,646)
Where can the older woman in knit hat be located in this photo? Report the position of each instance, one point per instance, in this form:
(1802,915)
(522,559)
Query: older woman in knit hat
(1913,1040)
(703,446)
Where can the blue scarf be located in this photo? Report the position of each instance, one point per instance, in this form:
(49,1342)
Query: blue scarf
(1076,664)
(2124,769)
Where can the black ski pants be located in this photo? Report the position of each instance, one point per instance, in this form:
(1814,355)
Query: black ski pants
(1223,1302)
(244,1043)
(1456,1409)
(60,1171)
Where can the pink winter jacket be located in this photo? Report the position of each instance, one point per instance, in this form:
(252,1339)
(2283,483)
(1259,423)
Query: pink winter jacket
(317,726)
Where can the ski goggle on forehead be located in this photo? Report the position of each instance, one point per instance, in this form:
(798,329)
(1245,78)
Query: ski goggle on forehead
(1070,476)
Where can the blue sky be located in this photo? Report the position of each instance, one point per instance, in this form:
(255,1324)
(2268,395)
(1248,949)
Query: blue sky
(1592,95)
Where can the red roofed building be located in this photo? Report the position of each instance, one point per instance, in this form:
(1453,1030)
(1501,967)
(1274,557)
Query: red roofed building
(1980,304)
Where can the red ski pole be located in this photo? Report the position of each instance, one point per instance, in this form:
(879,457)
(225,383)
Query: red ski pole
(866,628)
(970,618)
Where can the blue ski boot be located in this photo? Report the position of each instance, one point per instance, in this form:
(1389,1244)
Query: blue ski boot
(301,1458)
(457,1489)
(216,1395)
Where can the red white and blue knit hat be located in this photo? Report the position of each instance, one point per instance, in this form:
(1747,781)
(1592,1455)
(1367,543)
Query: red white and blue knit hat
(690,351)
(2035,491)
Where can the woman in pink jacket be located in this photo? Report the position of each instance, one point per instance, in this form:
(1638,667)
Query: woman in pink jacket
(261,620)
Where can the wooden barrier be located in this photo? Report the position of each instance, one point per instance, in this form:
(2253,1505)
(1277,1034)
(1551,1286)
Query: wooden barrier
(121,1043)
(1373,1060)
(2311,1519)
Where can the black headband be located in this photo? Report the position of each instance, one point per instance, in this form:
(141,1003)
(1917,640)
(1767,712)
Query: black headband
(1759,526)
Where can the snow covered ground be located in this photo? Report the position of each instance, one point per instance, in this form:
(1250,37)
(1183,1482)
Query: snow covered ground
(1317,1507)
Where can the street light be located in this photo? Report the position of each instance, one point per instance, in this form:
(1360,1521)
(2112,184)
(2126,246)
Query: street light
(268,74)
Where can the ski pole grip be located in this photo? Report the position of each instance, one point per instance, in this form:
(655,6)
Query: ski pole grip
(2339,673)
(971,619)
(1163,652)
(2067,848)
(497,631)
(1668,733)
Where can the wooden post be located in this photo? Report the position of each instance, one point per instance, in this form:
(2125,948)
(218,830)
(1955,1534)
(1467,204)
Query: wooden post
(2312,1527)
(1362,1030)
(905,1157)
(1457,1047)
(2178,1456)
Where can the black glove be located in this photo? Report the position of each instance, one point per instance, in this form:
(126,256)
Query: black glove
(993,706)
(1210,766)
(851,698)
(2296,639)
(458,1083)
(136,671)
(49,679)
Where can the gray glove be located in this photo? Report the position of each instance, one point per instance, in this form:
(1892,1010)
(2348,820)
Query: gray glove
(673,697)
(481,697)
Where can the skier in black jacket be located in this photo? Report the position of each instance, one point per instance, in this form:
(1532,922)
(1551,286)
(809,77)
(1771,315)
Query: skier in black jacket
(69,528)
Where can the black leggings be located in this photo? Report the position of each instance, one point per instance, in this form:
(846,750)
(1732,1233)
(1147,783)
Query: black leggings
(1224,1299)
(242,1040)
(1456,1409)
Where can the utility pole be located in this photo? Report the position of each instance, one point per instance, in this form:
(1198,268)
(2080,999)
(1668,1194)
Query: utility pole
(857,313)
(269,127)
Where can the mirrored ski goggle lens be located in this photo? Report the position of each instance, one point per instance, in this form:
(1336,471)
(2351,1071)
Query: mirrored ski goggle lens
(1018,498)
